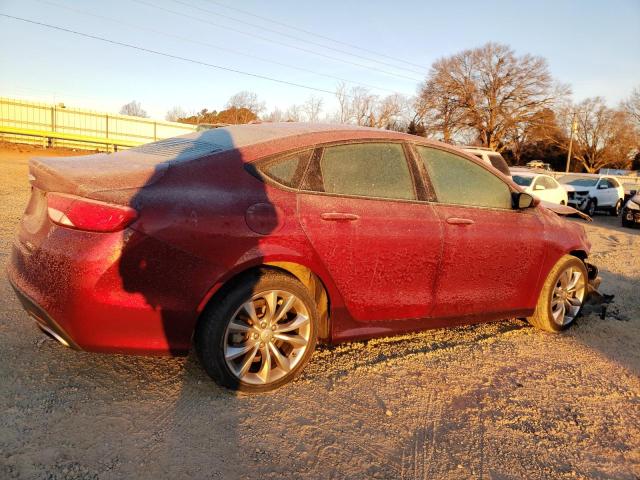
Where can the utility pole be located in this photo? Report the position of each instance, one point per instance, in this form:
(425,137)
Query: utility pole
(574,127)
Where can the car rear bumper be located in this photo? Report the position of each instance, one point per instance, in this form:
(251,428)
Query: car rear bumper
(119,292)
(43,319)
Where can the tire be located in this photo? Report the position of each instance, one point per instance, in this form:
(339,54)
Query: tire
(219,341)
(615,211)
(545,316)
(627,223)
(562,202)
(590,209)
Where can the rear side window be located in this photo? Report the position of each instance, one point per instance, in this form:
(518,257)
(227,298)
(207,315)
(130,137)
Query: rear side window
(367,169)
(548,183)
(287,170)
(613,183)
(459,181)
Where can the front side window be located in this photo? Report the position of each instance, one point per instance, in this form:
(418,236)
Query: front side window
(459,181)
(522,180)
(367,169)
(548,182)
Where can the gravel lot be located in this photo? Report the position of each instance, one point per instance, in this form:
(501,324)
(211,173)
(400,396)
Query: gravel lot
(494,401)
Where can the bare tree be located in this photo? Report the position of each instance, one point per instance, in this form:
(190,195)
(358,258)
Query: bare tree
(344,112)
(604,136)
(312,108)
(175,113)
(487,89)
(293,113)
(632,106)
(133,109)
(391,112)
(276,115)
(245,101)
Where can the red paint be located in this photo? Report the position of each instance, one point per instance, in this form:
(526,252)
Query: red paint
(388,266)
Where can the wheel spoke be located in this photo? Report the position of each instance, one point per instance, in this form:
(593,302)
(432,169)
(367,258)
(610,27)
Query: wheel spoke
(284,308)
(281,360)
(564,278)
(574,301)
(238,327)
(573,283)
(299,321)
(265,369)
(250,308)
(232,353)
(271,298)
(246,364)
(295,340)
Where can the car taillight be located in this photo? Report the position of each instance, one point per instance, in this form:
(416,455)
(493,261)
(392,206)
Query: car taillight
(86,214)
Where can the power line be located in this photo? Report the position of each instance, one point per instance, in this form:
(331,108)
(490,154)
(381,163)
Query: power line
(292,27)
(198,42)
(168,55)
(266,39)
(294,37)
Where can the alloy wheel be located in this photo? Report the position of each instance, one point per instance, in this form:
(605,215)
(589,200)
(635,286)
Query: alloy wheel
(568,295)
(267,337)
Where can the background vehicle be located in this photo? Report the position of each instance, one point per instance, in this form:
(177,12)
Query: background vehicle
(540,186)
(258,240)
(539,164)
(490,157)
(631,211)
(593,192)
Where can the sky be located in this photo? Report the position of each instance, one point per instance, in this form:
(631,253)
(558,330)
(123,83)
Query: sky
(594,46)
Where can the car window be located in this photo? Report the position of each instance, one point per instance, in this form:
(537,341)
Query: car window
(459,181)
(366,169)
(578,181)
(604,183)
(522,180)
(286,170)
(613,183)
(548,182)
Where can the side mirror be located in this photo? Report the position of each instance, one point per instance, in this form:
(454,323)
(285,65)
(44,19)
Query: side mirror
(522,200)
(539,187)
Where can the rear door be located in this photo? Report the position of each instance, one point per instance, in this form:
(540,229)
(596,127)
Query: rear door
(492,253)
(363,214)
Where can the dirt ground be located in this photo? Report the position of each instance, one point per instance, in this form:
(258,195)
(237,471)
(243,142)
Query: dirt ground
(494,401)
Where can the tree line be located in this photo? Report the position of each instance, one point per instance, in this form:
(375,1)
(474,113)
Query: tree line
(487,96)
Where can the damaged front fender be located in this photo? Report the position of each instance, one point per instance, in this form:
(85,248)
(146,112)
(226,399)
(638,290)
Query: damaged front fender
(565,210)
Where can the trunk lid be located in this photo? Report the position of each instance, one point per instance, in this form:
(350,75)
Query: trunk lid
(115,177)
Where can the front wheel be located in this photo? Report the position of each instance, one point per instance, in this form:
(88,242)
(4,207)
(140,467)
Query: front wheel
(591,207)
(615,211)
(260,334)
(562,295)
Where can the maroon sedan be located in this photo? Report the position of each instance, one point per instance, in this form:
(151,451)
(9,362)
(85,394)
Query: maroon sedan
(254,242)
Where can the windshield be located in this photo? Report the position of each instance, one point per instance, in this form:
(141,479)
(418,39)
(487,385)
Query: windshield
(579,181)
(522,181)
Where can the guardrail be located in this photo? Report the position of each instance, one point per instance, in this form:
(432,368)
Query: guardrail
(50,136)
(57,125)
(623,179)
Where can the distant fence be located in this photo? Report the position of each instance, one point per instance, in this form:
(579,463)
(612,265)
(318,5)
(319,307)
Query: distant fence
(57,125)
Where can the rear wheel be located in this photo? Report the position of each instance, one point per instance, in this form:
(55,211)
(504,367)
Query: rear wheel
(615,211)
(562,295)
(260,334)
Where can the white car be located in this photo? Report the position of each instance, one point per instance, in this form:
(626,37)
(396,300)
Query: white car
(490,157)
(541,186)
(594,192)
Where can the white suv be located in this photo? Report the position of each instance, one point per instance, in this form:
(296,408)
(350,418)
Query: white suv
(489,156)
(593,192)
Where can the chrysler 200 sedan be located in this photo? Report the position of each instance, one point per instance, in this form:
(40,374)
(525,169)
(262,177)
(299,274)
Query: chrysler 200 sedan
(254,242)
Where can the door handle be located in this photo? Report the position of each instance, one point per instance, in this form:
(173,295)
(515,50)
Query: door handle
(339,217)
(460,221)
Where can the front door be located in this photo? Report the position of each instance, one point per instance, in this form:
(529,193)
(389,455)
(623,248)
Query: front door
(380,244)
(492,253)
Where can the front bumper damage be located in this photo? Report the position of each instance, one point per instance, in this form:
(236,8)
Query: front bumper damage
(593,279)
